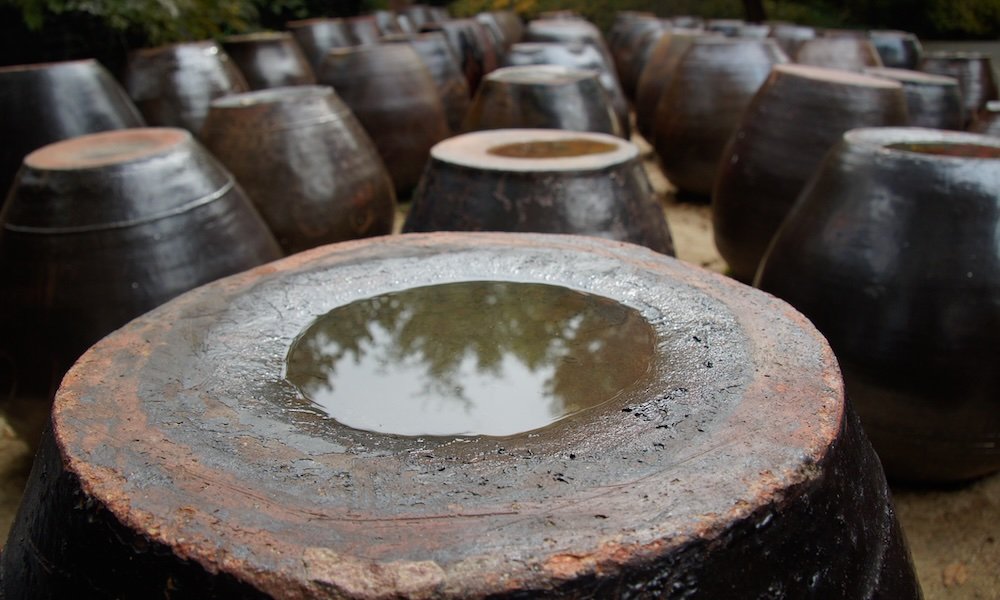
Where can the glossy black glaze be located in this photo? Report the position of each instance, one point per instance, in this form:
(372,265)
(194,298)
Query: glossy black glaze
(570,31)
(45,103)
(712,86)
(897,49)
(847,52)
(988,120)
(657,75)
(797,116)
(319,36)
(631,47)
(364,28)
(974,73)
(932,101)
(269,60)
(305,162)
(790,36)
(894,255)
(174,85)
(440,60)
(471,43)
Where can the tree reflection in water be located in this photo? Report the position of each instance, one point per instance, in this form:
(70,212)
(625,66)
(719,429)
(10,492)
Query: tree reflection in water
(471,358)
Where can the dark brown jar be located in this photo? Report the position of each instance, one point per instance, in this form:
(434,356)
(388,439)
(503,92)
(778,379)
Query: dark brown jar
(632,48)
(657,75)
(846,52)
(470,41)
(319,36)
(269,59)
(974,72)
(437,55)
(891,251)
(932,101)
(897,49)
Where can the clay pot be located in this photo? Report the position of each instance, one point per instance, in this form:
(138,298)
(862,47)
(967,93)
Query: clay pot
(988,120)
(418,14)
(891,251)
(387,22)
(570,31)
(574,56)
(897,49)
(364,28)
(174,85)
(696,115)
(632,47)
(471,44)
(44,103)
(790,36)
(931,100)
(101,228)
(731,467)
(845,52)
(726,27)
(754,31)
(798,114)
(269,60)
(541,180)
(505,25)
(974,73)
(657,75)
(436,54)
(542,97)
(393,94)
(305,162)
(319,36)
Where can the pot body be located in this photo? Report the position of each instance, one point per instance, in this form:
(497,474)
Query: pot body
(974,73)
(632,48)
(571,31)
(932,101)
(305,162)
(897,49)
(799,113)
(440,60)
(269,60)
(316,37)
(891,251)
(657,75)
(476,53)
(988,120)
(364,29)
(847,52)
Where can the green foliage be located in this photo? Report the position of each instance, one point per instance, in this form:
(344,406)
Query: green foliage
(980,18)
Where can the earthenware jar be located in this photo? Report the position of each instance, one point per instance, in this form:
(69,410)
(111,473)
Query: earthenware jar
(437,55)
(988,120)
(543,180)
(44,103)
(101,228)
(392,93)
(726,27)
(798,114)
(570,31)
(504,25)
(609,418)
(419,14)
(897,49)
(573,56)
(790,36)
(754,30)
(387,22)
(696,115)
(305,162)
(470,42)
(891,251)
(657,75)
(174,85)
(364,28)
(542,97)
(631,47)
(269,59)
(839,52)
(974,73)
(932,101)
(318,36)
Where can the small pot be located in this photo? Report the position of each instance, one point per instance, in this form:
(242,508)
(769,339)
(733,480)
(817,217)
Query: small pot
(932,101)
(657,75)
(318,36)
(174,85)
(845,52)
(305,162)
(974,73)
(891,251)
(542,97)
(269,59)
(437,55)
(897,49)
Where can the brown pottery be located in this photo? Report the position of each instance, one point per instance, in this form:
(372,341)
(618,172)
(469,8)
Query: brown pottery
(897,49)
(988,120)
(542,97)
(974,73)
(505,25)
(696,115)
(539,180)
(798,114)
(174,85)
(364,28)
(305,162)
(631,48)
(44,103)
(269,59)
(316,37)
(418,14)
(437,55)
(388,22)
(570,31)
(932,101)
(470,41)
(723,463)
(845,52)
(790,36)
(891,251)
(101,228)
(726,27)
(657,75)
(392,93)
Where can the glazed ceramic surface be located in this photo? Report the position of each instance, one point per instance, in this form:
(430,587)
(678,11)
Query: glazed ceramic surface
(269,59)
(657,75)
(974,73)
(932,101)
(477,54)
(840,52)
(437,55)
(897,49)
(316,37)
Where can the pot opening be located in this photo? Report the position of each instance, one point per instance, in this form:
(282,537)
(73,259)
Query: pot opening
(106,148)
(948,149)
(566,148)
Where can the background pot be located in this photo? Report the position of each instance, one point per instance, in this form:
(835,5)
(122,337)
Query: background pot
(632,48)
(437,55)
(316,37)
(897,49)
(932,101)
(269,59)
(476,53)
(846,52)
(798,114)
(657,75)
(891,252)
(570,31)
(988,120)
(974,73)
(305,162)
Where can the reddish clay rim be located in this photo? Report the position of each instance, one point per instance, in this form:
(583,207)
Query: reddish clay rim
(107,148)
(88,62)
(535,150)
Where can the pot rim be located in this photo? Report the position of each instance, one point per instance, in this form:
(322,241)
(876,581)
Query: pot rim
(835,76)
(473,150)
(912,77)
(882,139)
(41,66)
(138,144)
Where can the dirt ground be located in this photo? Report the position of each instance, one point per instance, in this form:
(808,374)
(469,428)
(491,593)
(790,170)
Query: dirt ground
(954,534)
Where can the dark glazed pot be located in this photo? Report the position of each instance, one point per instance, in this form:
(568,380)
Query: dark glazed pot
(269,59)
(696,115)
(974,73)
(798,114)
(897,49)
(318,36)
(305,162)
(542,97)
(470,42)
(570,31)
(539,180)
(988,120)
(632,47)
(364,28)
(732,467)
(657,75)
(891,251)
(932,101)
(45,103)
(437,55)
(174,85)
(393,94)
(845,52)
(790,36)
(101,228)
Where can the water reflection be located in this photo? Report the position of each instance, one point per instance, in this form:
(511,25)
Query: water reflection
(471,358)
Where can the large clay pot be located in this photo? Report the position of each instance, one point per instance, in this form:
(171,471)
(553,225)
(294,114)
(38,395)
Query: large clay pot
(364,28)
(319,36)
(988,120)
(570,31)
(696,115)
(974,73)
(393,94)
(437,55)
(845,52)
(174,85)
(891,251)
(715,456)
(305,162)
(657,75)
(897,49)
(101,228)
(505,25)
(470,42)
(791,36)
(388,23)
(44,103)
(631,50)
(542,97)
(269,59)
(419,14)
(540,180)
(726,27)
(932,101)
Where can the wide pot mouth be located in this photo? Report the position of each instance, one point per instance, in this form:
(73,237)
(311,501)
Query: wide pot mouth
(554,75)
(535,150)
(107,148)
(922,144)
(828,75)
